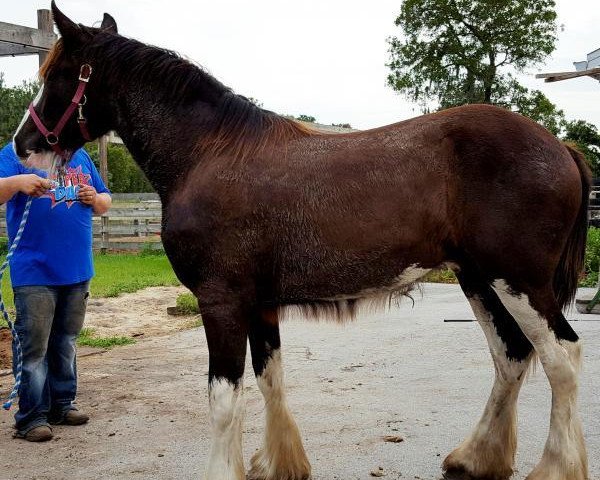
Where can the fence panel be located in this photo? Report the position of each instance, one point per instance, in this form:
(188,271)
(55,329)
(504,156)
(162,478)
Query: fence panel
(132,224)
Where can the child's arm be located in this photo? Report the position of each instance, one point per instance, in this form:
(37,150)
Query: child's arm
(29,184)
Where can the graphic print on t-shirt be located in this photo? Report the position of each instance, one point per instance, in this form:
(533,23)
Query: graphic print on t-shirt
(67,191)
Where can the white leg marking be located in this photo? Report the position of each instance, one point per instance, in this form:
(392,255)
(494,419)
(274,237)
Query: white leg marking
(489,451)
(564,457)
(282,456)
(226,416)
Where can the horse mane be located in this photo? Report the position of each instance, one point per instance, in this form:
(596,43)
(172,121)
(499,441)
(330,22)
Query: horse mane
(242,129)
(238,128)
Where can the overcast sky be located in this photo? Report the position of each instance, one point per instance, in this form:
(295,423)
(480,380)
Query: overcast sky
(324,58)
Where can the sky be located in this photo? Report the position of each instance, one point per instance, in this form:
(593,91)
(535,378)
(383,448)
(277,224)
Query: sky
(324,58)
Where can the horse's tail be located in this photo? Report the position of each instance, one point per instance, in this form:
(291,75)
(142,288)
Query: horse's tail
(571,262)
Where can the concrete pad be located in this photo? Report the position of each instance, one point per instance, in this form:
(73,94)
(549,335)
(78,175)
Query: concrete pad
(401,373)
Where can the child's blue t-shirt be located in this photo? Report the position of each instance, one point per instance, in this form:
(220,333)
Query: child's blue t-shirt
(56,246)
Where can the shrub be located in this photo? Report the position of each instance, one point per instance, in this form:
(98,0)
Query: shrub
(440,276)
(187,303)
(3,245)
(124,176)
(592,258)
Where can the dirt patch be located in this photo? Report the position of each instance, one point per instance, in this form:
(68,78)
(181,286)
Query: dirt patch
(143,313)
(139,314)
(5,348)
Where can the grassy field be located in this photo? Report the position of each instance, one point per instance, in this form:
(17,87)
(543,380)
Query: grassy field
(116,274)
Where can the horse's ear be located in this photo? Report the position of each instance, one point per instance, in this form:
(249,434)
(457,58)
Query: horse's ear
(68,29)
(109,24)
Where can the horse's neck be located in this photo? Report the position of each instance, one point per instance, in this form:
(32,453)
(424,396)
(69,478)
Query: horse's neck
(161,141)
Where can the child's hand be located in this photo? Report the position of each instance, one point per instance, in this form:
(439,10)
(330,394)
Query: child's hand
(87,194)
(33,185)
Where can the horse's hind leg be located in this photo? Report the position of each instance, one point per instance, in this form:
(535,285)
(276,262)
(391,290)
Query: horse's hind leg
(282,455)
(489,451)
(225,324)
(559,350)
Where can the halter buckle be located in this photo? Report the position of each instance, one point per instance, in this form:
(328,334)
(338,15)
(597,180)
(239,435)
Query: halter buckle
(85,72)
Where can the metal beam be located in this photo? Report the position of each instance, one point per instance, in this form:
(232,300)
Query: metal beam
(558,76)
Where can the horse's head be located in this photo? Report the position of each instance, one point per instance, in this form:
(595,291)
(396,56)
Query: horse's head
(71,107)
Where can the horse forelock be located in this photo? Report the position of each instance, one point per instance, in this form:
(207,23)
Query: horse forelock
(51,60)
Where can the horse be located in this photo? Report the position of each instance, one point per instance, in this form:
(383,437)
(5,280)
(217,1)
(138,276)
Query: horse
(262,214)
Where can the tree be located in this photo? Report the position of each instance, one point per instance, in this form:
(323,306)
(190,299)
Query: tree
(13,104)
(454,51)
(124,176)
(535,105)
(255,101)
(306,118)
(586,138)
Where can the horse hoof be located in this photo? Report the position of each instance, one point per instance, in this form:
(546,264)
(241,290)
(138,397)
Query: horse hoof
(457,474)
(461,474)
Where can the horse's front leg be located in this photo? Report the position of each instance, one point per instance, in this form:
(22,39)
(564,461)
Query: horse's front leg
(282,455)
(225,323)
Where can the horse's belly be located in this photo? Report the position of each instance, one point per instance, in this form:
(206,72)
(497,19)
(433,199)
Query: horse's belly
(398,284)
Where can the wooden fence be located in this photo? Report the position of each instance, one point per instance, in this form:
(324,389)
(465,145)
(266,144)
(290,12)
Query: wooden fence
(132,224)
(594,207)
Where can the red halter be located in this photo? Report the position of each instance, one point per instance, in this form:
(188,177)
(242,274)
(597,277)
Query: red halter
(52,136)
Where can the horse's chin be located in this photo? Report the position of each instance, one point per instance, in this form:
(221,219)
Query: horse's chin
(45,160)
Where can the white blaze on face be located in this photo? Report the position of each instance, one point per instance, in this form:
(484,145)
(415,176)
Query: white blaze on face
(226,416)
(43,160)
(36,100)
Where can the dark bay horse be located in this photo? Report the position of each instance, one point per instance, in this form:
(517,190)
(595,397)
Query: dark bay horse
(260,213)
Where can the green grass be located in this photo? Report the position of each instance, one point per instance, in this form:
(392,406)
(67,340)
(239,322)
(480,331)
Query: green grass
(188,305)
(87,338)
(116,274)
(440,276)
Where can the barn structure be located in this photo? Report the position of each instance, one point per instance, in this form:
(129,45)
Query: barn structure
(586,68)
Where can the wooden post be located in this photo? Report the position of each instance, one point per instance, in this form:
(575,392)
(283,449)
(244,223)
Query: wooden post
(45,24)
(103,156)
(104,233)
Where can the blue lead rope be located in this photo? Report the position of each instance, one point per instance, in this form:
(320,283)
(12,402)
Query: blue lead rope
(17,343)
